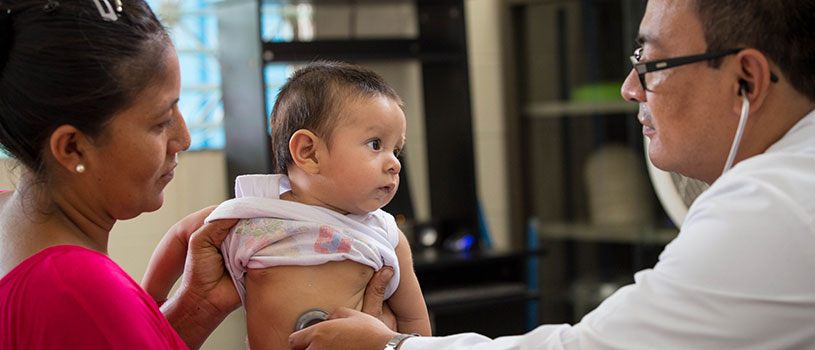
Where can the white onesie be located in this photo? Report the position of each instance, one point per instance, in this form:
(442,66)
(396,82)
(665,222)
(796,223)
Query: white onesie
(275,232)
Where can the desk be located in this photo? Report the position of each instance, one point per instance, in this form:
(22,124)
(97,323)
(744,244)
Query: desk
(490,292)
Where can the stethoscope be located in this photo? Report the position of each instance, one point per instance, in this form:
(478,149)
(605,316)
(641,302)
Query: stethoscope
(745,109)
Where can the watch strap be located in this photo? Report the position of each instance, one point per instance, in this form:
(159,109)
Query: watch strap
(394,343)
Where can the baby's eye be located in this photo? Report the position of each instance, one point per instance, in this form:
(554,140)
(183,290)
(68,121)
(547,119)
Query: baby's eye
(397,152)
(375,144)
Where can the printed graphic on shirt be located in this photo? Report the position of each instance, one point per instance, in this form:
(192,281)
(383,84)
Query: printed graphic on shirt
(332,241)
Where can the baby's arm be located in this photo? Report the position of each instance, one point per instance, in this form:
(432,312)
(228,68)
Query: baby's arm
(407,302)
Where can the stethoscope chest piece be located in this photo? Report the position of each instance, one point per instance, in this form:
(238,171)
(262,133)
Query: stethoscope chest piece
(309,318)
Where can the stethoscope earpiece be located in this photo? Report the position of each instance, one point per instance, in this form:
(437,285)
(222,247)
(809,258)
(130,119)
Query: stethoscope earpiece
(744,88)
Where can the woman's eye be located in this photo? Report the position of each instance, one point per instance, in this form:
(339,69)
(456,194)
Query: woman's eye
(374,144)
(165,123)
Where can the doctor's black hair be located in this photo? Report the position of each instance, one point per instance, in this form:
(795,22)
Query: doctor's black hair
(62,63)
(781,30)
(312,99)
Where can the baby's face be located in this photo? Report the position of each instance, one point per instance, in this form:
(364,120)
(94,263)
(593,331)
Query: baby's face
(361,171)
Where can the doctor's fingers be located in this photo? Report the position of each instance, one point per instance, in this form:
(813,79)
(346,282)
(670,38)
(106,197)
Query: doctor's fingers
(301,339)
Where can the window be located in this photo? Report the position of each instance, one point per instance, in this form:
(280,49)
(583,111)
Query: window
(193,28)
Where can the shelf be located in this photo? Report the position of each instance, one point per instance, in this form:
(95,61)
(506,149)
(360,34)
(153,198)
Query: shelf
(629,234)
(430,259)
(554,109)
(354,50)
(332,2)
(469,296)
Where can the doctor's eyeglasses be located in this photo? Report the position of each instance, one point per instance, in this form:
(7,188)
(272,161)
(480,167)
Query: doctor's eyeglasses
(652,66)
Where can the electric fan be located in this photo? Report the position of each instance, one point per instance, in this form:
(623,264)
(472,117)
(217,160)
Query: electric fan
(676,192)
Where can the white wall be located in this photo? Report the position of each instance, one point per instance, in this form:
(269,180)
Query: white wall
(488,96)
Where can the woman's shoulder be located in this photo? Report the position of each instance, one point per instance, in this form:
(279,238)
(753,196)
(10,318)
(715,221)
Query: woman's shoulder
(66,270)
(76,291)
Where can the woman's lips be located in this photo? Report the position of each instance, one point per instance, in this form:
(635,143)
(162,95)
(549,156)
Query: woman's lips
(170,174)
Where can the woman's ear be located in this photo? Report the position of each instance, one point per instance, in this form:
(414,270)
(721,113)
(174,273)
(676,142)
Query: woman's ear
(67,145)
(304,146)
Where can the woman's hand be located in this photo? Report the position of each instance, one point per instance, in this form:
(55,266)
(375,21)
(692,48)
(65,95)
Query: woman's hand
(167,262)
(204,270)
(206,294)
(373,304)
(345,329)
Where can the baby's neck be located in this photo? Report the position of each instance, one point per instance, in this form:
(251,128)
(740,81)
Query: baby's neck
(294,197)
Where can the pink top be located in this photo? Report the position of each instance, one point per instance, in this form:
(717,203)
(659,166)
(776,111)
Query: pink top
(69,297)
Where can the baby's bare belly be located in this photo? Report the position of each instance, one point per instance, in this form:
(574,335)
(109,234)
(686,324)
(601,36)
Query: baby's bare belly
(275,296)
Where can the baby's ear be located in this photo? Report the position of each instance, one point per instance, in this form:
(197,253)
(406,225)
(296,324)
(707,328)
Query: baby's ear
(303,146)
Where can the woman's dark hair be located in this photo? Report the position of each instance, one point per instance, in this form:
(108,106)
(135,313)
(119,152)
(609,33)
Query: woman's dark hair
(62,62)
(783,30)
(312,98)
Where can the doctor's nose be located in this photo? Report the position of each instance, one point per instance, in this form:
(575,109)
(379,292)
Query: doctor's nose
(632,88)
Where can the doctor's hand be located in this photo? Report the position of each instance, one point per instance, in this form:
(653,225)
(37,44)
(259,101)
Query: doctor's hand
(345,329)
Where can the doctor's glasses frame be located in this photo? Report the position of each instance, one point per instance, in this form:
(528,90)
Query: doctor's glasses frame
(652,66)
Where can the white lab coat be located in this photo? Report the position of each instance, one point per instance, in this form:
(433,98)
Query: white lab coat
(740,274)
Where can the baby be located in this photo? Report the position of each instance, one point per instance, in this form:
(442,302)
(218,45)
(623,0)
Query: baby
(312,235)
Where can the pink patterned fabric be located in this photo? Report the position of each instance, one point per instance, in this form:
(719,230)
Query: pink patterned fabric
(69,297)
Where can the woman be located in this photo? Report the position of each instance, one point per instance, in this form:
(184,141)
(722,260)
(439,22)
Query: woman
(89,108)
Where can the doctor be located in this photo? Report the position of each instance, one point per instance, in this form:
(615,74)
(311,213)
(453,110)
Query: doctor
(720,84)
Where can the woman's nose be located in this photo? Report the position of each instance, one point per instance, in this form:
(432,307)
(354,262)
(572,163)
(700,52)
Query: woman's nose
(181,140)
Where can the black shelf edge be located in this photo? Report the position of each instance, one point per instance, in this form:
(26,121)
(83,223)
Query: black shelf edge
(353,50)
(433,259)
(349,2)
(447,300)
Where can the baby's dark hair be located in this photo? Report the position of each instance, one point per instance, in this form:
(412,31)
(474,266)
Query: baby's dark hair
(63,62)
(312,98)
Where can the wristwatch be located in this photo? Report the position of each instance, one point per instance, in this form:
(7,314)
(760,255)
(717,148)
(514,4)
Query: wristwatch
(393,344)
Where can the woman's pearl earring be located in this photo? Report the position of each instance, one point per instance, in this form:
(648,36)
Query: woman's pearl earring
(80,168)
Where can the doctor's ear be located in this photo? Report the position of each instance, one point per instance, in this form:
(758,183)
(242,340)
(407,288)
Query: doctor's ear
(754,78)
(304,147)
